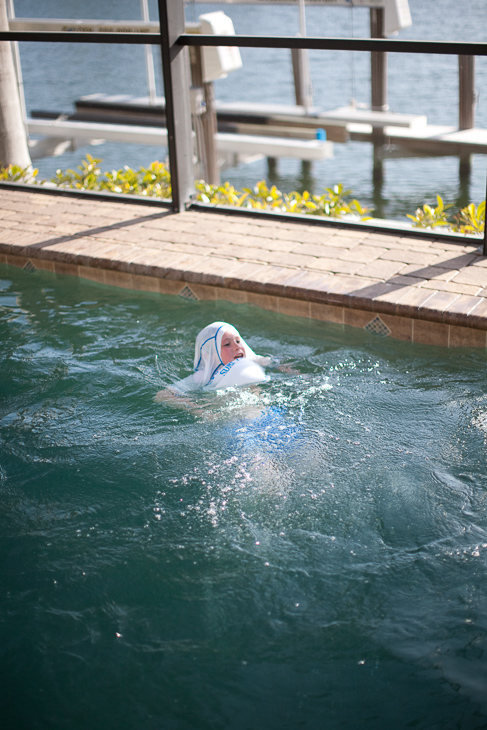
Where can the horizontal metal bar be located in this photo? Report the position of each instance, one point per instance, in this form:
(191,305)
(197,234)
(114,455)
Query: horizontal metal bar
(77,37)
(197,39)
(337,44)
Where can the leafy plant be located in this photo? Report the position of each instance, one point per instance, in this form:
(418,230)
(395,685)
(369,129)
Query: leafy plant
(86,179)
(224,194)
(428,217)
(15,173)
(155,182)
(262,197)
(470,219)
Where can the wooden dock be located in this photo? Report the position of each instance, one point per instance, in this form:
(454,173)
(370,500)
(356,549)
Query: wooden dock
(265,129)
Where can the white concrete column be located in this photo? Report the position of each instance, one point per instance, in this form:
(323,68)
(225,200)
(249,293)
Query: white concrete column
(13,140)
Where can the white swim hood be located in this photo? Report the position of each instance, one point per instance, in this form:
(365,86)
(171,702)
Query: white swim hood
(207,352)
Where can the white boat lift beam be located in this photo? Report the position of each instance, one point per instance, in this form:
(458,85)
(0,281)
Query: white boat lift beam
(240,144)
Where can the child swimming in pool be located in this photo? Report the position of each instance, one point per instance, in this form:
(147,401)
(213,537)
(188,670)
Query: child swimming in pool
(222,359)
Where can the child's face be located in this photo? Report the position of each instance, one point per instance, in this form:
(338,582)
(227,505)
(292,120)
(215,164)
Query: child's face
(231,348)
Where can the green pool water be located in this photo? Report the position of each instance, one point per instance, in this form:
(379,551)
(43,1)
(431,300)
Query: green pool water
(312,554)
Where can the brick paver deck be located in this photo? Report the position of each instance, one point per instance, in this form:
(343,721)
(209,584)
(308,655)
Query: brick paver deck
(417,289)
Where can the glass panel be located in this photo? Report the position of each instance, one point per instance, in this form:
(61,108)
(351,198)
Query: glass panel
(56,76)
(91,82)
(417,85)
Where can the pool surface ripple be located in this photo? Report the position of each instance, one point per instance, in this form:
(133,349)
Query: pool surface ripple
(311,554)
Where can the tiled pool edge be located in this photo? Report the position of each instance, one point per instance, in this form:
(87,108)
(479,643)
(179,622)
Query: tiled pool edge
(419,289)
(289,292)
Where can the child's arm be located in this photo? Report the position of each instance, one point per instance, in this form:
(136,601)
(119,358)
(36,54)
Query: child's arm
(179,398)
(173,398)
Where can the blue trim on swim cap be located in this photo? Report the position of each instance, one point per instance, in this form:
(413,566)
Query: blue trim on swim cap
(213,337)
(201,347)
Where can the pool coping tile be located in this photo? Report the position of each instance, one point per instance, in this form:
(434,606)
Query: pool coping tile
(420,290)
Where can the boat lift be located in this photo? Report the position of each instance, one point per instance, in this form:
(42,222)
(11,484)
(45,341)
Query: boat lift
(63,132)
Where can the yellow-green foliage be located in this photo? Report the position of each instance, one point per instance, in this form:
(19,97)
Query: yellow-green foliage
(262,197)
(14,173)
(88,177)
(155,182)
(469,220)
(428,217)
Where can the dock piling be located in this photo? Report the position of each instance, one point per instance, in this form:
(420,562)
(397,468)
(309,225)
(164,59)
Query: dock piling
(205,117)
(378,77)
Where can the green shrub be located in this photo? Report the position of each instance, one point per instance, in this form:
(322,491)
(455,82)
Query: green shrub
(468,221)
(262,197)
(153,181)
(428,217)
(15,173)
(88,177)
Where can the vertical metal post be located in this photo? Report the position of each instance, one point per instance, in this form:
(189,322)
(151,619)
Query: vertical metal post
(378,63)
(13,138)
(378,80)
(175,70)
(466,109)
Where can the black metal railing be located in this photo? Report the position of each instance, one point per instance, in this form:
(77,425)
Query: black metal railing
(384,45)
(172,39)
